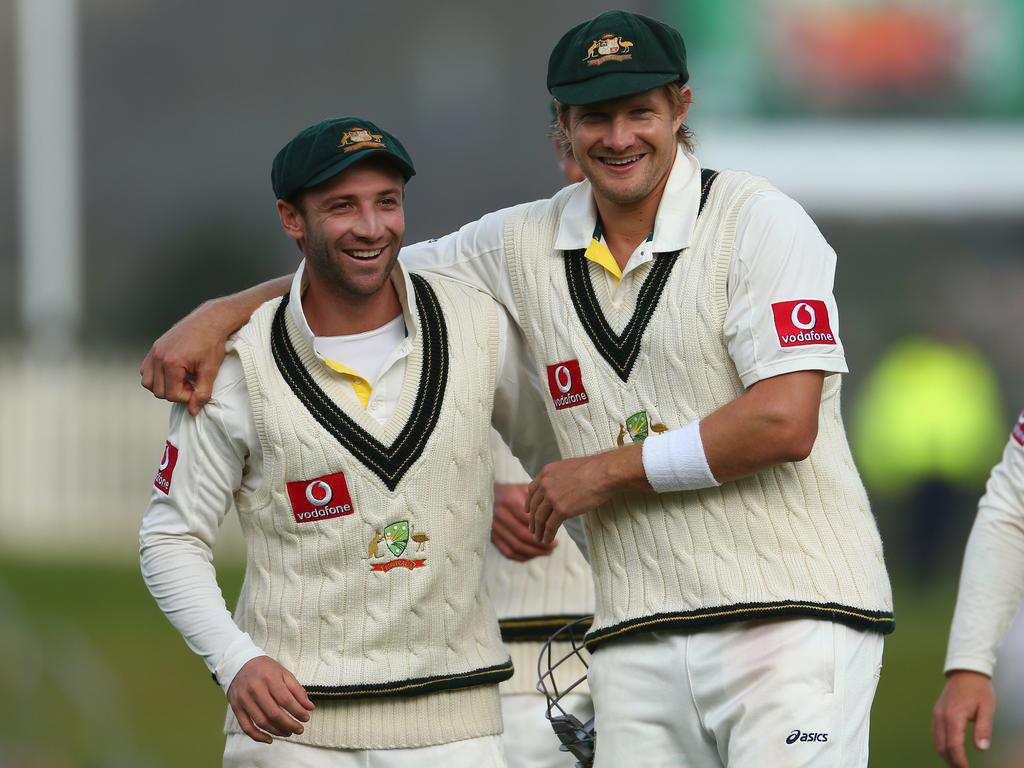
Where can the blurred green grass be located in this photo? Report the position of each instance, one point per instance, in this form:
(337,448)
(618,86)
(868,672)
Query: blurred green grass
(102,679)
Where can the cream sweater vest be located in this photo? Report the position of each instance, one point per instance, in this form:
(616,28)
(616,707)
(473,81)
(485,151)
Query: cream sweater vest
(377,607)
(794,540)
(536,598)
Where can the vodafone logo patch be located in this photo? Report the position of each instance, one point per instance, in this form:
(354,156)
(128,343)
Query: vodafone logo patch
(566,385)
(802,322)
(1018,431)
(162,481)
(320,498)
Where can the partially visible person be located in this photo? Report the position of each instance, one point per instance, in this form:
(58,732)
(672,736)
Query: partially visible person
(991,589)
(536,589)
(350,427)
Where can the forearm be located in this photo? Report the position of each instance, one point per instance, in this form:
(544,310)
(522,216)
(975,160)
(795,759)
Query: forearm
(232,312)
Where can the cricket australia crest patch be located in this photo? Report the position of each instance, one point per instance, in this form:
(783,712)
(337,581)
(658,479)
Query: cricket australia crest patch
(359,138)
(1018,431)
(395,539)
(608,48)
(164,473)
(638,427)
(320,498)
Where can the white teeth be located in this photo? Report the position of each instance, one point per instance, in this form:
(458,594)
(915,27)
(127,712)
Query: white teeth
(365,254)
(621,161)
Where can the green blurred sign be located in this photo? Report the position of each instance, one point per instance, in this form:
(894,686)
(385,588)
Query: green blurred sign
(788,58)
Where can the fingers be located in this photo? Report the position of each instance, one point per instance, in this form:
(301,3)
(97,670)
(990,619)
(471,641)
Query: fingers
(202,389)
(514,540)
(955,730)
(146,371)
(268,701)
(248,727)
(983,725)
(157,379)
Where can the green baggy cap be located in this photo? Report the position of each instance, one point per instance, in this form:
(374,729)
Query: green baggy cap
(324,150)
(615,54)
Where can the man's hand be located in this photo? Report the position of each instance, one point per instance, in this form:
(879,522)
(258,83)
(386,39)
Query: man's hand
(268,700)
(182,364)
(570,487)
(510,531)
(968,696)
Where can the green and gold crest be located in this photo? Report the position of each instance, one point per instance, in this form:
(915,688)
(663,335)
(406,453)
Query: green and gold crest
(638,428)
(396,536)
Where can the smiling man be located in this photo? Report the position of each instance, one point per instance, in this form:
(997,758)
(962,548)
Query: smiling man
(350,427)
(685,324)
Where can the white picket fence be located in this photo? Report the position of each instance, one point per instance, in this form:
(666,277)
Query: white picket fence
(80,441)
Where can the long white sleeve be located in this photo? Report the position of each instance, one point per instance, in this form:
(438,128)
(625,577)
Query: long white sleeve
(992,580)
(180,527)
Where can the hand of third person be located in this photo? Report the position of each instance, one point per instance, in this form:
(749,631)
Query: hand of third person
(510,531)
(967,697)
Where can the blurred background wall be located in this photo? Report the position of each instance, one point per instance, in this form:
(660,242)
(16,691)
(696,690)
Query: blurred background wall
(899,124)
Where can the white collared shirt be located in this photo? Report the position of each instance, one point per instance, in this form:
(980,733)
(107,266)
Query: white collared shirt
(780,256)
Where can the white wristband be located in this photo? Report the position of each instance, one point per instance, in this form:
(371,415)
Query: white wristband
(675,460)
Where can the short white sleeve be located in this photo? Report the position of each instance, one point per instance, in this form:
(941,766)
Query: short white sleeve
(782,316)
(475,255)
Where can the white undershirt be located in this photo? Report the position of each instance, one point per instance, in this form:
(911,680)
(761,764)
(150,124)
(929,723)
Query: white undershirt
(365,353)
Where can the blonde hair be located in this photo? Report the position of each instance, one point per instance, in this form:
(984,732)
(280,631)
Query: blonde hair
(676,99)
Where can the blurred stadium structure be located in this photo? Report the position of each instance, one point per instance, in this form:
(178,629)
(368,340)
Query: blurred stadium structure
(135,144)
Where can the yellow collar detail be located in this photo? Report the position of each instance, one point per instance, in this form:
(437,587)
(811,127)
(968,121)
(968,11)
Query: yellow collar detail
(598,253)
(360,385)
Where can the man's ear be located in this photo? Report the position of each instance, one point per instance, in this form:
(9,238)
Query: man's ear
(684,107)
(291,219)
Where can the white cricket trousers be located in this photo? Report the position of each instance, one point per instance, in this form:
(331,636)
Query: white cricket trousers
(242,752)
(790,693)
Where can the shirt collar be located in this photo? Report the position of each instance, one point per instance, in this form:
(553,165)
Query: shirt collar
(403,286)
(673,224)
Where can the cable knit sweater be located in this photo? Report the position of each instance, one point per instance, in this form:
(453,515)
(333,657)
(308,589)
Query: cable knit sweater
(797,539)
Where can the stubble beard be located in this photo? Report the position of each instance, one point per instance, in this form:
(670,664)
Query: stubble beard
(322,258)
(643,187)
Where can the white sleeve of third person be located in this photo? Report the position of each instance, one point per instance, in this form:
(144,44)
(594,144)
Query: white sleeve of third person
(992,580)
(201,468)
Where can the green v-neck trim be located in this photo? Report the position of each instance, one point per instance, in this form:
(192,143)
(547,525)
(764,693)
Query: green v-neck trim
(388,462)
(621,350)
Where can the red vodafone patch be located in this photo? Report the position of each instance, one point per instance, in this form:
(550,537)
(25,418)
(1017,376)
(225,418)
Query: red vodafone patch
(320,498)
(162,481)
(802,322)
(1018,431)
(566,385)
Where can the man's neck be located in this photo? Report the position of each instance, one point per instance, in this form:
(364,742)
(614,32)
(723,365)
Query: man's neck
(338,313)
